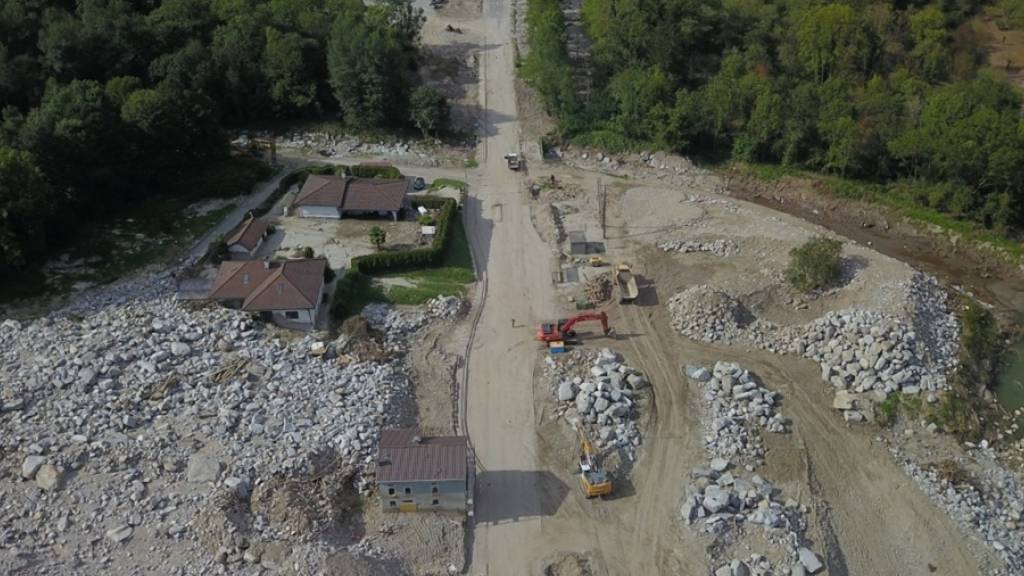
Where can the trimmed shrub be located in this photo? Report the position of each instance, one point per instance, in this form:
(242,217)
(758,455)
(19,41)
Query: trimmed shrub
(307,252)
(217,251)
(815,264)
(374,171)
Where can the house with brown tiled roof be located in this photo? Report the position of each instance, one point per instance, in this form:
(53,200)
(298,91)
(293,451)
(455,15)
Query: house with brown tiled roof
(288,292)
(329,196)
(246,238)
(420,473)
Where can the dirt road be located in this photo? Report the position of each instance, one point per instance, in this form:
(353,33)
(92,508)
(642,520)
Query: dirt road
(512,263)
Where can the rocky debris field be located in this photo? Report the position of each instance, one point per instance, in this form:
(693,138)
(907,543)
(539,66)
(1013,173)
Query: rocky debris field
(717,502)
(725,503)
(864,354)
(736,408)
(128,414)
(987,501)
(600,392)
(724,248)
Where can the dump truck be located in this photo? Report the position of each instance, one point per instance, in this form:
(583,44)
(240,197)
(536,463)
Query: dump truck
(628,290)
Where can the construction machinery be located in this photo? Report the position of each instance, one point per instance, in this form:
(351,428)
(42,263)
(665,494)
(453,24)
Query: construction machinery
(596,261)
(594,480)
(565,329)
(628,290)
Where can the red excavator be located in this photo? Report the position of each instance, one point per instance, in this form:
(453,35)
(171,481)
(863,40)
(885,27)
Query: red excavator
(563,329)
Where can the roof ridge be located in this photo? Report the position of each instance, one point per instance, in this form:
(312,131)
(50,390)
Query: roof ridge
(269,281)
(241,266)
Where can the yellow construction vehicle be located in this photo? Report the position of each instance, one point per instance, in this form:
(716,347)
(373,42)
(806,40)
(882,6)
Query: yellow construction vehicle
(594,480)
(597,261)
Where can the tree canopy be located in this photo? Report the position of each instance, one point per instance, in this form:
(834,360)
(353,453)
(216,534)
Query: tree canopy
(872,89)
(102,101)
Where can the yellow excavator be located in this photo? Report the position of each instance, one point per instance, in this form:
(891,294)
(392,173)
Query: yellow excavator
(594,480)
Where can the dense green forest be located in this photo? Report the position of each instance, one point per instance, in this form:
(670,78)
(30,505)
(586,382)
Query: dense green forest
(107,101)
(886,91)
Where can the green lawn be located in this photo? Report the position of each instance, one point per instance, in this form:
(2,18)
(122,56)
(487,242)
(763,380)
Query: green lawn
(448,279)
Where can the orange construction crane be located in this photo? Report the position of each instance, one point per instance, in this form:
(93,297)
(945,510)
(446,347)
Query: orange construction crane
(563,329)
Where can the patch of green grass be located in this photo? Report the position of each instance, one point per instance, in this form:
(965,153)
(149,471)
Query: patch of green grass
(447,279)
(448,183)
(472,163)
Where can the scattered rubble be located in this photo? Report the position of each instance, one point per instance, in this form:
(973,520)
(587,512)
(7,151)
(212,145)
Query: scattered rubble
(724,248)
(990,505)
(602,397)
(113,403)
(736,406)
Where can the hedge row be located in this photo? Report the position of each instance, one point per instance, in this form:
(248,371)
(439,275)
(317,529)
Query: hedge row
(420,256)
(374,171)
(351,293)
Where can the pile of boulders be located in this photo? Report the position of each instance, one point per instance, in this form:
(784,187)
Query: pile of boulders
(736,406)
(717,501)
(724,248)
(602,398)
(126,411)
(864,354)
(707,314)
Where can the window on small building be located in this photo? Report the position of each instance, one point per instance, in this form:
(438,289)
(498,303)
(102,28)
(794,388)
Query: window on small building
(408,490)
(291,315)
(392,503)
(391,491)
(434,489)
(435,502)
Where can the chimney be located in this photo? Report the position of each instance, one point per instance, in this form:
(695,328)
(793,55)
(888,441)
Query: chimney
(266,264)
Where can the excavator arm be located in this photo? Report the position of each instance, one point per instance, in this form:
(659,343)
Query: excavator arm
(567,328)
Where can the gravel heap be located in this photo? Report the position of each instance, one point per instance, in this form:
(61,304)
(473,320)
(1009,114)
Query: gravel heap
(735,407)
(724,248)
(991,505)
(602,399)
(127,412)
(717,501)
(446,307)
(861,351)
(707,314)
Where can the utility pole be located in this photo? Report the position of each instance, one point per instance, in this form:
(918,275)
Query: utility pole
(602,198)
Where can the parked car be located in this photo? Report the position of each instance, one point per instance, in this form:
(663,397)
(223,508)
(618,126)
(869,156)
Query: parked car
(418,184)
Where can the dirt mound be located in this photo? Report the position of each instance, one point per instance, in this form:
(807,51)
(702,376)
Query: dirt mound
(306,506)
(705,313)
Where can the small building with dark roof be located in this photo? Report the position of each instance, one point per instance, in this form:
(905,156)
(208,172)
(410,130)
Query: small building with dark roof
(422,473)
(246,238)
(330,196)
